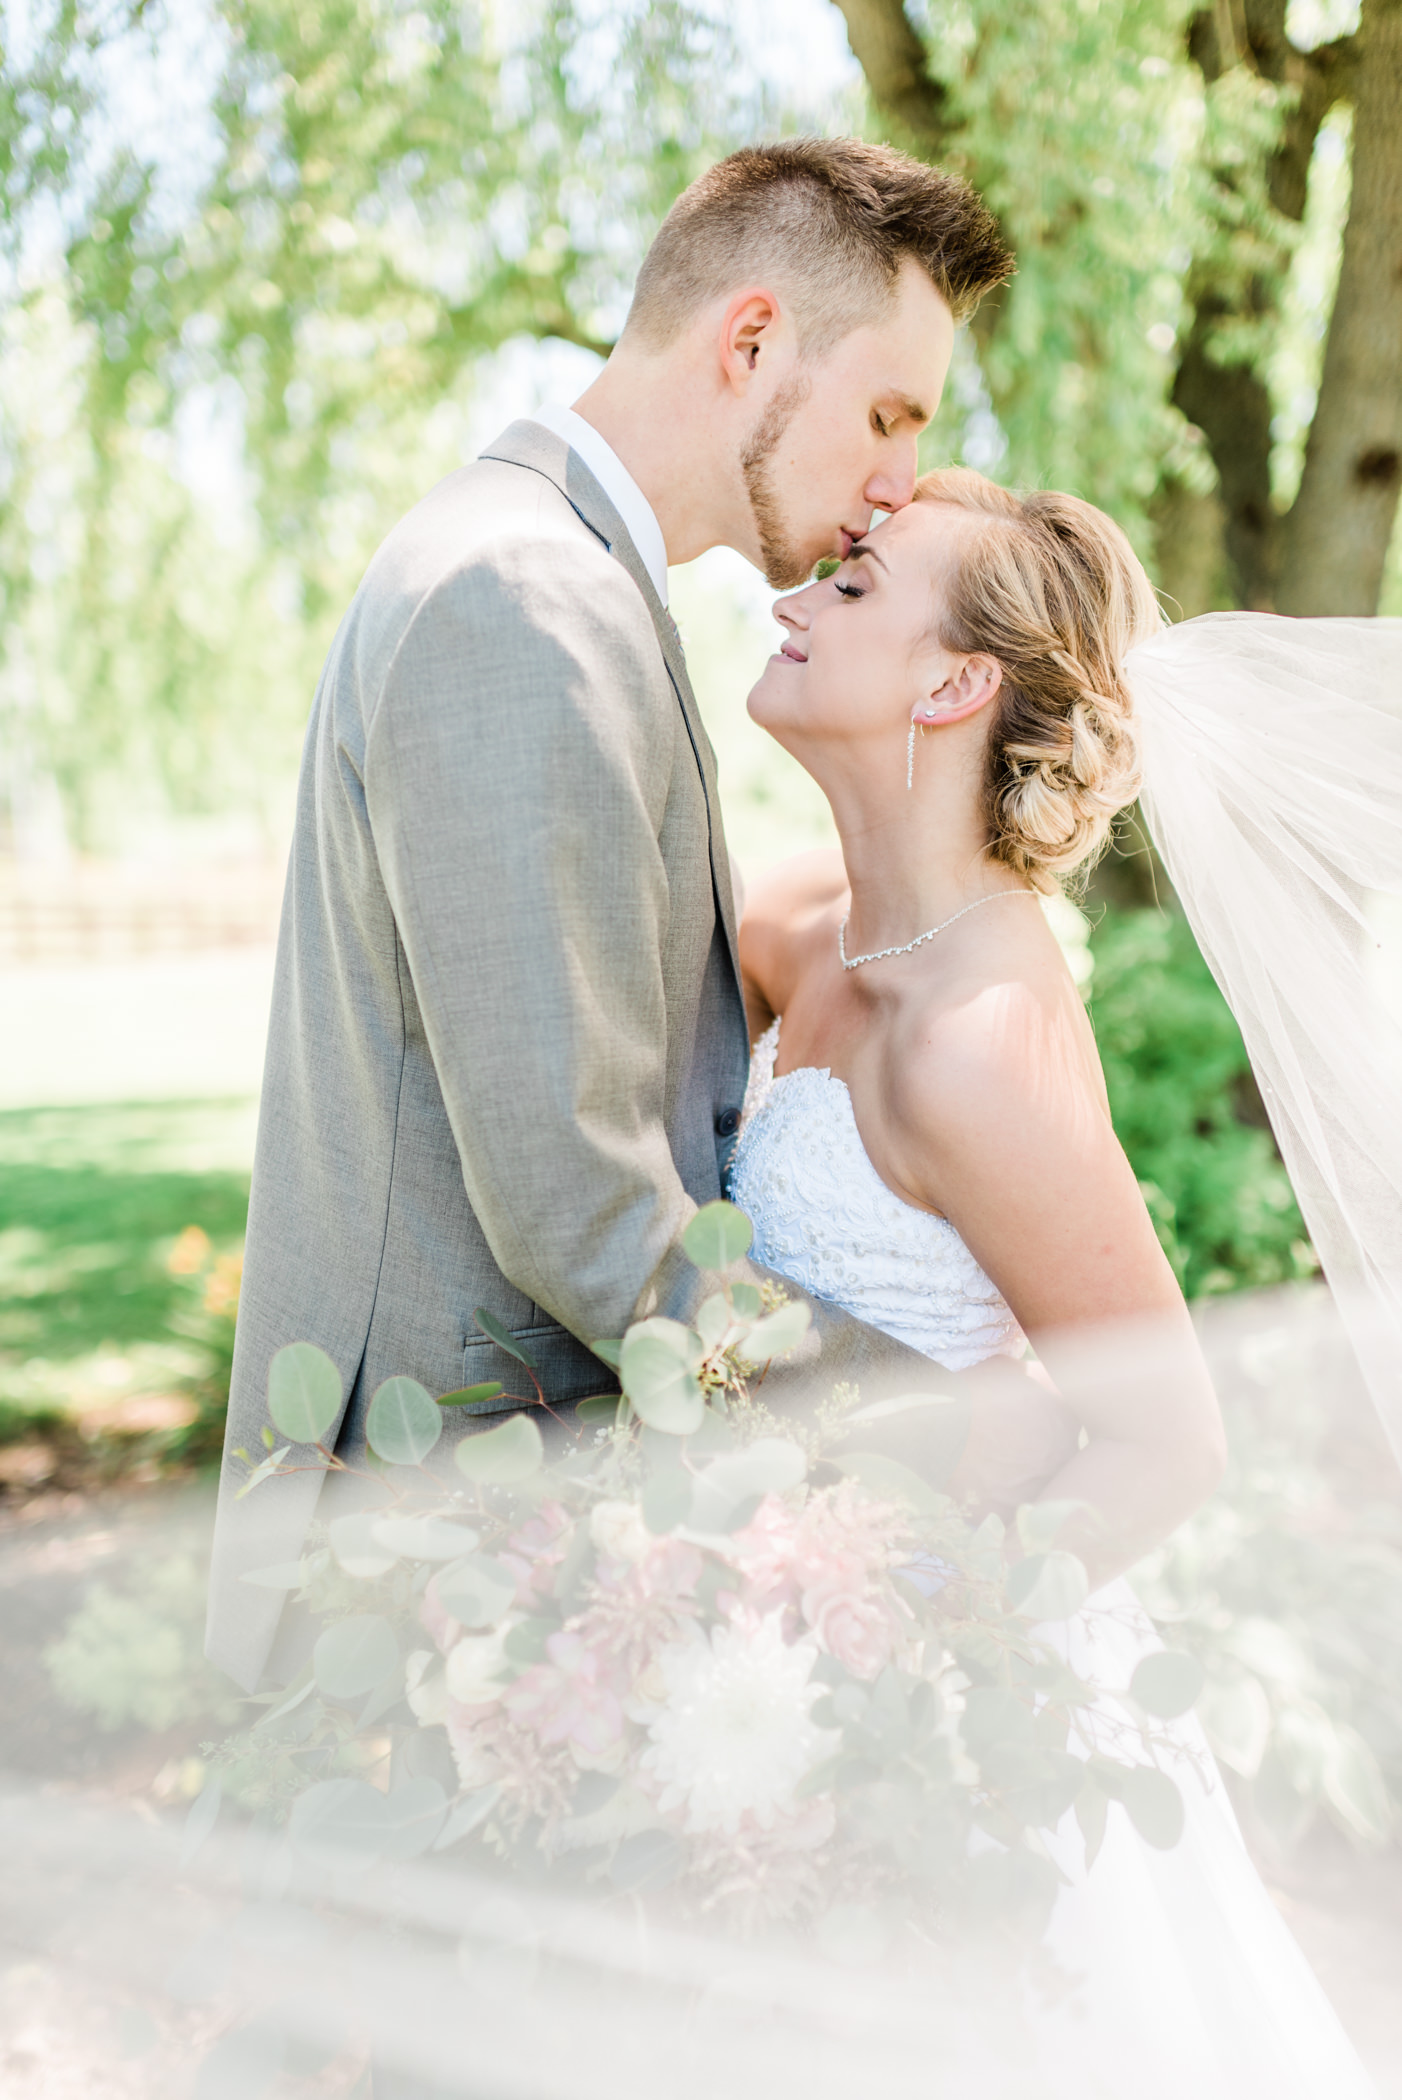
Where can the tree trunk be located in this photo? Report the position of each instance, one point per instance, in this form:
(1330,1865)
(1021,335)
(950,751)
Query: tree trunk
(1231,404)
(893,58)
(1336,537)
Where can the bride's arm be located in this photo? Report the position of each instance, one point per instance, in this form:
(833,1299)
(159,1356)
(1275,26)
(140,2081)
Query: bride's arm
(782,907)
(1011,1139)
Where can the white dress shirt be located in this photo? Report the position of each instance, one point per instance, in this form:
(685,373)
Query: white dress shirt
(617,484)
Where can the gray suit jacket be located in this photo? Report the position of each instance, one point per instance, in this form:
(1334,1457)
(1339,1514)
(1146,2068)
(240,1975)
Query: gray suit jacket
(508,1045)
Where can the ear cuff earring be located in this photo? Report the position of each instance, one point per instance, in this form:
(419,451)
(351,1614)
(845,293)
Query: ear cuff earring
(910,756)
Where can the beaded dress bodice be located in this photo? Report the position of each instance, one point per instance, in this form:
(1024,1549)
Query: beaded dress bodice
(824,1217)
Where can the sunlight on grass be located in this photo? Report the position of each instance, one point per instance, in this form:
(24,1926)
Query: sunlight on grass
(91,1202)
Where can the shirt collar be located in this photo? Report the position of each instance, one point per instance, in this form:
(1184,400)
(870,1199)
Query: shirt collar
(617,484)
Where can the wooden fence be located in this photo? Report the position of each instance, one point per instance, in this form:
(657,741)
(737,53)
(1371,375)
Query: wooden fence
(92,911)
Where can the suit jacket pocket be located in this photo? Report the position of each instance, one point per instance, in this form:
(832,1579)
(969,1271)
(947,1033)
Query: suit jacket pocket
(566,1369)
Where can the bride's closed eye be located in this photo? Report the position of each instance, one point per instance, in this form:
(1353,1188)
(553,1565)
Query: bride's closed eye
(849,590)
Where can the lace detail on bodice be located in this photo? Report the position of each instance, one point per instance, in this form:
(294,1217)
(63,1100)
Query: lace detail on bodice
(824,1217)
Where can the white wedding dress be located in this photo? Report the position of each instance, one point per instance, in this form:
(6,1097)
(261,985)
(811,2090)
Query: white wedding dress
(1188,1983)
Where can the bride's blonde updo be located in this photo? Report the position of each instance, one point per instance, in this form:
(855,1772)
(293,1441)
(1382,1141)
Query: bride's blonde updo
(1051,588)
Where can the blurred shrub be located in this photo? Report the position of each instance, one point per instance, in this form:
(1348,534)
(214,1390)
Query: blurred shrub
(133,1655)
(1290,1594)
(1187,1111)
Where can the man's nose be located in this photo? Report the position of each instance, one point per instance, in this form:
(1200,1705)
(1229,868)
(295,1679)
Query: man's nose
(892,486)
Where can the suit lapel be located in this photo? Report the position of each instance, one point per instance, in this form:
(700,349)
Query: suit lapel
(527,444)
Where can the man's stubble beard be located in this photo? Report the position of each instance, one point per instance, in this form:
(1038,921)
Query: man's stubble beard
(785,566)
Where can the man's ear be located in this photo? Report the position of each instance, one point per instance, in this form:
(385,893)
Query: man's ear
(748,327)
(970,685)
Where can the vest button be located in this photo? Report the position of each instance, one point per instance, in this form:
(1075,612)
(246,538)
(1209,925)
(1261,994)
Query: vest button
(727,1122)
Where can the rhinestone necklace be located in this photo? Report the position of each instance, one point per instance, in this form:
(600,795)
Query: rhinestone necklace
(854,962)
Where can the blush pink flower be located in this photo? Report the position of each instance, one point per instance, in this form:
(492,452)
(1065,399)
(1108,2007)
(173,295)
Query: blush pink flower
(535,1551)
(855,1630)
(765,1551)
(568,1698)
(441,1629)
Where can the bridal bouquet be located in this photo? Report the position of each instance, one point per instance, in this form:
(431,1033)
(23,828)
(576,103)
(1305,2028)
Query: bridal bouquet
(749,1661)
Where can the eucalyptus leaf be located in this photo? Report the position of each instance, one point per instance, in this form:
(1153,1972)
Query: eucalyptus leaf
(339,1815)
(890,1480)
(467,1815)
(265,1471)
(304,1392)
(424,1538)
(414,1814)
(1355,1788)
(1167,1684)
(745,1301)
(666,1500)
(599,1407)
(658,1367)
(1040,1523)
(768,1466)
(477,1591)
(357,1547)
(472,1395)
(1155,1806)
(354,1655)
(718,1236)
(1236,1714)
(993,1714)
(778,1333)
(714,1320)
(608,1352)
(1048,1586)
(403,1423)
(491,1325)
(504,1456)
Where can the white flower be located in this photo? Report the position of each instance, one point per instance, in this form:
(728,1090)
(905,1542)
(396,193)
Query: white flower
(735,1733)
(617,1529)
(473,1672)
(426,1693)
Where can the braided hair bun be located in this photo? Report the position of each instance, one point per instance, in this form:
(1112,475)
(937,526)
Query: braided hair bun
(1051,588)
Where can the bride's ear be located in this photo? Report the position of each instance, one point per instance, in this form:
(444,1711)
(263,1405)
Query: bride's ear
(971,684)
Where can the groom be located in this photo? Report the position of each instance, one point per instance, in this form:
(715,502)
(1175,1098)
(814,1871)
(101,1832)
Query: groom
(508,1047)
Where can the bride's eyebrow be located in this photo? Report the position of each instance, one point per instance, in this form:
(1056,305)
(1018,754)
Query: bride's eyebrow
(857,548)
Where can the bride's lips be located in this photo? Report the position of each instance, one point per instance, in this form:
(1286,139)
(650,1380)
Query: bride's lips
(793,655)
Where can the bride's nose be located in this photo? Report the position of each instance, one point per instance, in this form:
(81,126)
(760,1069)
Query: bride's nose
(792,612)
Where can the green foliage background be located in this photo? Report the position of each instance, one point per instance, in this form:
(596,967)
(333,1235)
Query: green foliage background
(1187,1112)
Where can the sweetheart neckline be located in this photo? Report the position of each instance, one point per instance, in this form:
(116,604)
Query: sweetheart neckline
(937,1217)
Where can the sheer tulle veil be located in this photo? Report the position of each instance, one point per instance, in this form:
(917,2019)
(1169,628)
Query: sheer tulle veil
(1272,753)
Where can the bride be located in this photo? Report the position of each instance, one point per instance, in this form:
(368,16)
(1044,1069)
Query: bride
(928,1143)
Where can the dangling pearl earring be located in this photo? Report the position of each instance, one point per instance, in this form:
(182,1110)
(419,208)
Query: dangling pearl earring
(910,756)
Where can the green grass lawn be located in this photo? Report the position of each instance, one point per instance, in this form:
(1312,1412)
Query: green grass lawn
(91,1201)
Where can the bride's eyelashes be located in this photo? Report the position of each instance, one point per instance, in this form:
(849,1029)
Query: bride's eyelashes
(850,590)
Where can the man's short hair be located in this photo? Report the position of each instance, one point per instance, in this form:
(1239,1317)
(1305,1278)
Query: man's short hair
(829,222)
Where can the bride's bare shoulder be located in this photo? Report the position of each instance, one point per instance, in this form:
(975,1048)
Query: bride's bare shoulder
(786,907)
(791,891)
(1005,1039)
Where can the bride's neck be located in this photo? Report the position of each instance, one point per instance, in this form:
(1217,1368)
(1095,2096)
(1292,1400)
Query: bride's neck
(913,863)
